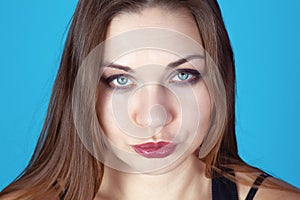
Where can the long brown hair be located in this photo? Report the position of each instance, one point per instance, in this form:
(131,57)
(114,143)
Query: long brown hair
(61,165)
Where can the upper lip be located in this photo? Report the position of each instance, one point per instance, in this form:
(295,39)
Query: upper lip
(152,145)
(155,149)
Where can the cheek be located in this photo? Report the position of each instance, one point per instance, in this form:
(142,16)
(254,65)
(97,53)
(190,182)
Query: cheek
(204,118)
(204,107)
(107,120)
(104,112)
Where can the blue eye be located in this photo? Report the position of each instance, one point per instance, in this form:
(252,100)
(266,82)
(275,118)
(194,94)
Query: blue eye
(185,76)
(119,81)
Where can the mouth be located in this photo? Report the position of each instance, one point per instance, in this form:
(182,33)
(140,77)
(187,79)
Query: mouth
(155,149)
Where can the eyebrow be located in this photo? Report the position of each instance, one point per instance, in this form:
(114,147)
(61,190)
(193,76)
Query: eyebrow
(121,67)
(171,65)
(184,60)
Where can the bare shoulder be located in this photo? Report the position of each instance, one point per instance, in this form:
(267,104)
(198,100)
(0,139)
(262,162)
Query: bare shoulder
(276,194)
(286,191)
(271,188)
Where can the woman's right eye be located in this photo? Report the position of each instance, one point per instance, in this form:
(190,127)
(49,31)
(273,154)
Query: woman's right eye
(119,81)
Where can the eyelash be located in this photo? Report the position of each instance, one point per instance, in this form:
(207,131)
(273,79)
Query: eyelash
(193,77)
(109,81)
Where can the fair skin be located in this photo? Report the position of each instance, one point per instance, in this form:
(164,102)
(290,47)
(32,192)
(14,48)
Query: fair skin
(168,178)
(187,172)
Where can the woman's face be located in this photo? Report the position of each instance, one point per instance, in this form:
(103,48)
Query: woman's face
(153,104)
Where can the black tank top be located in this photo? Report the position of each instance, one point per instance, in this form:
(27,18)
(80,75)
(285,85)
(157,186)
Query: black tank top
(225,189)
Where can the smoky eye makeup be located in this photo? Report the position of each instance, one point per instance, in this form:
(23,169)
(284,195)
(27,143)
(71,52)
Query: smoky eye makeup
(179,77)
(184,76)
(118,81)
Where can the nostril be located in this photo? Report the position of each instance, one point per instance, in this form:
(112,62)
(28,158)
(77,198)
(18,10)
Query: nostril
(143,119)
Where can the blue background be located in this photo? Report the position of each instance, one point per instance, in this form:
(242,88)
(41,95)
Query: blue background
(265,38)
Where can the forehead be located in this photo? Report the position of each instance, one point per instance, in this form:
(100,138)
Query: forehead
(152,36)
(179,20)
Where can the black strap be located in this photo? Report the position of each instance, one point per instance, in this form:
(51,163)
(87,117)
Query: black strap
(259,180)
(224,189)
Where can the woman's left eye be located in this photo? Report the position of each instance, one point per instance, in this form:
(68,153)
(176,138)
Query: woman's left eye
(185,76)
(182,76)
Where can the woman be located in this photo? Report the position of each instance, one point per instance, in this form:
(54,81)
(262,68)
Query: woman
(143,107)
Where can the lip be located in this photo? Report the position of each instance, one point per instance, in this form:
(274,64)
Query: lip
(155,149)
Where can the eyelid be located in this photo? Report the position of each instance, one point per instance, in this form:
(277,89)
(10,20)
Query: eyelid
(187,70)
(196,75)
(193,72)
(111,78)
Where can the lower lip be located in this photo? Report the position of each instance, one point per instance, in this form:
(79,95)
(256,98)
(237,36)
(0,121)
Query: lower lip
(155,150)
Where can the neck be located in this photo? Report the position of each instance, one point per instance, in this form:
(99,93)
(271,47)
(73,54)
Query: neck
(185,181)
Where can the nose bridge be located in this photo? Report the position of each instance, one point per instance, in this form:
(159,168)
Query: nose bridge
(152,95)
(151,108)
(155,94)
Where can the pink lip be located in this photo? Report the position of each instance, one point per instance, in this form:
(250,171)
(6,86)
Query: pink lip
(155,149)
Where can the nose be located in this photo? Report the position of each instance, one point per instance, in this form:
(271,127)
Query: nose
(152,106)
